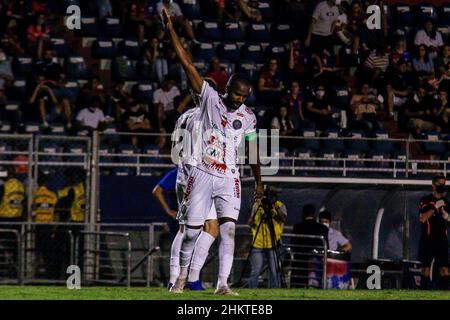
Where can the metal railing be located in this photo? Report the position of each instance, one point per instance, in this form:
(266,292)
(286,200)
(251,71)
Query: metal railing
(11,256)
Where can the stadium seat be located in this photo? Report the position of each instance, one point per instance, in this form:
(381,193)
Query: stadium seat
(57,129)
(282,32)
(444,15)
(249,68)
(22,65)
(204,51)
(381,145)
(357,143)
(341,97)
(330,161)
(445,32)
(122,68)
(89,27)
(72,89)
(209,31)
(332,143)
(5,127)
(152,152)
(190,9)
(76,68)
(304,160)
(60,46)
(20,88)
(143,91)
(104,49)
(129,151)
(232,31)
(252,52)
(5,147)
(278,51)
(201,65)
(377,163)
(31,128)
(310,143)
(404,14)
(76,150)
(353,160)
(434,146)
(258,32)
(111,27)
(265,9)
(228,51)
(427,11)
(49,153)
(130,48)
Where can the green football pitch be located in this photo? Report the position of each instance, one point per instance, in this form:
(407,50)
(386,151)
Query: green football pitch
(120,293)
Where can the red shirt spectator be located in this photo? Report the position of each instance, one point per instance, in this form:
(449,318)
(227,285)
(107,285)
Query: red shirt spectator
(39,30)
(218,74)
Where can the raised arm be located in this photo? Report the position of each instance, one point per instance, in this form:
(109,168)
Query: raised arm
(193,76)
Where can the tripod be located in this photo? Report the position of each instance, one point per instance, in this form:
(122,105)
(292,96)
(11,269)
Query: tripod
(265,218)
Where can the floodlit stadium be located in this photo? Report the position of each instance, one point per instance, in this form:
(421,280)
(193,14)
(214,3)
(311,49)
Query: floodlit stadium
(347,104)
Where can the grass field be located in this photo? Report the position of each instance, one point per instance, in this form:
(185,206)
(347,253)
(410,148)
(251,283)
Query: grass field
(120,293)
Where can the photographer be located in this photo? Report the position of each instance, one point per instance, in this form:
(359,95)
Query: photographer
(434,217)
(267,220)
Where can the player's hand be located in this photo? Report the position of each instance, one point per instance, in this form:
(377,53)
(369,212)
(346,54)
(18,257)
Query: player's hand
(439,204)
(166,19)
(172,213)
(259,191)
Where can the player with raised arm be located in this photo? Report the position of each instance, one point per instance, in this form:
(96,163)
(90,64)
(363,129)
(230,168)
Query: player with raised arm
(215,176)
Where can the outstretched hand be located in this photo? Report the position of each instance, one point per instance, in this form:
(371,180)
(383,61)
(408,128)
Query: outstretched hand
(166,19)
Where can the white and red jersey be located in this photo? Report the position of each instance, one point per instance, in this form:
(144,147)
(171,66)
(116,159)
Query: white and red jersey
(221,134)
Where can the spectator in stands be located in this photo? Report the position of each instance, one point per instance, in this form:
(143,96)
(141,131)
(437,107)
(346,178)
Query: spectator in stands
(103,9)
(399,86)
(91,118)
(38,32)
(181,104)
(325,69)
(443,65)
(249,9)
(423,64)
(141,19)
(337,242)
(44,102)
(119,98)
(94,88)
(320,33)
(441,111)
(376,65)
(153,64)
(419,112)
(319,109)
(218,74)
(270,83)
(12,197)
(374,37)
(136,120)
(401,52)
(48,68)
(294,100)
(298,62)
(283,122)
(365,108)
(5,68)
(301,247)
(182,25)
(16,14)
(163,99)
(12,42)
(356,19)
(430,37)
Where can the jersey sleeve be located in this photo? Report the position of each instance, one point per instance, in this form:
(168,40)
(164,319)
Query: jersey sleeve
(250,130)
(169,181)
(341,240)
(207,95)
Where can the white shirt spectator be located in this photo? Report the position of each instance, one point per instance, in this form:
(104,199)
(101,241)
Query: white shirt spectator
(166,97)
(423,38)
(324,16)
(336,239)
(90,119)
(174,9)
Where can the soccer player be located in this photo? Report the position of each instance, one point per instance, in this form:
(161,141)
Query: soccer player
(434,218)
(215,177)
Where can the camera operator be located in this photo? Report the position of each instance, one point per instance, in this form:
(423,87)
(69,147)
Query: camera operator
(267,220)
(434,218)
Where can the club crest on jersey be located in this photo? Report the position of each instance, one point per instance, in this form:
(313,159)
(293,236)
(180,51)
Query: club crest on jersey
(237,124)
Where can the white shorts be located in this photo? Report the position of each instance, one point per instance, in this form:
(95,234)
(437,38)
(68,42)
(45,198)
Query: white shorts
(212,214)
(204,190)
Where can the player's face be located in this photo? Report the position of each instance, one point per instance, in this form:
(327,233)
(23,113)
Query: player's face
(237,95)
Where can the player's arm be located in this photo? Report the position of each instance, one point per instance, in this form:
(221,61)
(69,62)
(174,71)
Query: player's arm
(281,215)
(191,72)
(347,247)
(158,193)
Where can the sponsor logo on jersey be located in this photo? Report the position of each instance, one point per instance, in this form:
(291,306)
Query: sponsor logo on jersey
(237,188)
(188,190)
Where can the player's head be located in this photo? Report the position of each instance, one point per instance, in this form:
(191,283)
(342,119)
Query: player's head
(309,211)
(238,89)
(325,217)
(439,184)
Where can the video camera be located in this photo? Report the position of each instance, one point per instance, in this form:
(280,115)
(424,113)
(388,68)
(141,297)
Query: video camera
(269,199)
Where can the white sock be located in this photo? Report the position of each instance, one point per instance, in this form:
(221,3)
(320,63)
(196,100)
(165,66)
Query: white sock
(187,247)
(226,252)
(175,257)
(204,242)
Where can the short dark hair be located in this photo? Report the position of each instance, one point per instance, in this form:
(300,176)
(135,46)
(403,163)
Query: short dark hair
(438,177)
(238,78)
(325,215)
(309,210)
